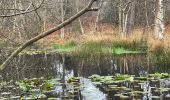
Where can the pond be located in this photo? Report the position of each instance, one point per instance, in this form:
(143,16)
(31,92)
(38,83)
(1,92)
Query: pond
(53,76)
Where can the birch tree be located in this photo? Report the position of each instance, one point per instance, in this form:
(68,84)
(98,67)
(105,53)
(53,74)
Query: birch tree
(126,17)
(159,20)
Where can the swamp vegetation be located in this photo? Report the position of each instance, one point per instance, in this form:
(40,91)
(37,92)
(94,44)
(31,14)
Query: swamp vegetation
(88,71)
(119,50)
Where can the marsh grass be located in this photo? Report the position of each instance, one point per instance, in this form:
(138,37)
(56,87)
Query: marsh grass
(70,46)
(108,40)
(107,33)
(100,47)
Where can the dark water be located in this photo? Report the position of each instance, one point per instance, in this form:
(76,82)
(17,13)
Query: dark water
(65,66)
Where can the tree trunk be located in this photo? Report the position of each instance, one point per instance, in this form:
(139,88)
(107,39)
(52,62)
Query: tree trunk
(98,15)
(120,18)
(131,17)
(159,20)
(44,34)
(79,19)
(62,35)
(81,25)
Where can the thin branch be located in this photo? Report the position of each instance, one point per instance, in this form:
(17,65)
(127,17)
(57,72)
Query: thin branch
(12,41)
(37,13)
(24,12)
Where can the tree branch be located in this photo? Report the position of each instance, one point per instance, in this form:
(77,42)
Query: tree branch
(24,12)
(42,35)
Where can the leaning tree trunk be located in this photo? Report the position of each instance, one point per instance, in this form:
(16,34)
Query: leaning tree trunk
(159,20)
(42,35)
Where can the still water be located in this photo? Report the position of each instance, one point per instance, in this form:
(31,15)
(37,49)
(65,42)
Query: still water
(64,67)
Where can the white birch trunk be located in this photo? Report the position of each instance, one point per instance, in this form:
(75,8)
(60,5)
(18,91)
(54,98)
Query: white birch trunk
(159,20)
(127,18)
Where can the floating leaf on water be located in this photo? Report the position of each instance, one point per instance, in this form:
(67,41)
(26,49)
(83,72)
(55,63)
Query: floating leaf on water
(41,96)
(160,75)
(136,92)
(3,98)
(67,97)
(108,82)
(124,97)
(52,99)
(127,89)
(156,97)
(94,76)
(164,89)
(48,92)
(121,96)
(117,95)
(97,83)
(137,86)
(119,77)
(141,83)
(35,90)
(74,79)
(28,98)
(141,78)
(117,82)
(77,87)
(14,97)
(6,94)
(112,85)
(154,80)
(10,86)
(119,88)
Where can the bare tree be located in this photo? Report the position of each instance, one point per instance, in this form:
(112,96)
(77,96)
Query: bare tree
(127,17)
(159,20)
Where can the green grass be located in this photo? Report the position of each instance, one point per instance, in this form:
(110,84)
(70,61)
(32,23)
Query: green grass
(95,47)
(121,50)
(71,46)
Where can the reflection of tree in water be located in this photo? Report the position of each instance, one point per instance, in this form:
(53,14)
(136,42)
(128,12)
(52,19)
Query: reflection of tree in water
(30,66)
(45,65)
(109,65)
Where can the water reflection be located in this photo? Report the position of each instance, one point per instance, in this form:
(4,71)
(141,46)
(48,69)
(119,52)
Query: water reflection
(65,66)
